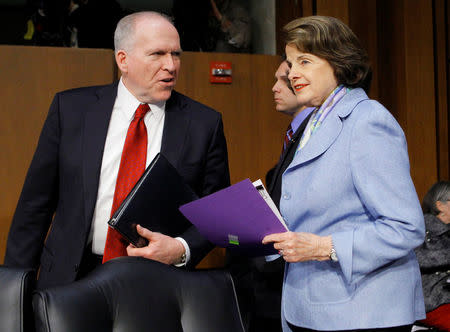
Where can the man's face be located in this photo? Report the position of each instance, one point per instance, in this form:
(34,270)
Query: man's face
(285,99)
(150,67)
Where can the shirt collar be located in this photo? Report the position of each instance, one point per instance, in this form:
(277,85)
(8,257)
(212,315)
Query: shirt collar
(300,117)
(127,103)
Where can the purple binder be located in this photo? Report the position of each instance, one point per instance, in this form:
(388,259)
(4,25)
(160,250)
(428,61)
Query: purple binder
(236,218)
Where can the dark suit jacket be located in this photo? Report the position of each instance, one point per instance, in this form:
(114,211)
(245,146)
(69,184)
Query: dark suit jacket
(259,282)
(62,181)
(274,178)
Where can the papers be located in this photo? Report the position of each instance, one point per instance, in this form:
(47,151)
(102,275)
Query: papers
(237,217)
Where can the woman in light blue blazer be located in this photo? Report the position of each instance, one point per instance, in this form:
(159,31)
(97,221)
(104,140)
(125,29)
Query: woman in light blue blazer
(347,197)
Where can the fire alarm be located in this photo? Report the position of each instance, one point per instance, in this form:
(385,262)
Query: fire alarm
(220,72)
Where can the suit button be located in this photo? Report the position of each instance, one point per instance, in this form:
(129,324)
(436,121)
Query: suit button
(77,267)
(286,196)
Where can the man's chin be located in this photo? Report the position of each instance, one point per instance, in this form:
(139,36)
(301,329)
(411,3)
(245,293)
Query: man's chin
(160,97)
(284,111)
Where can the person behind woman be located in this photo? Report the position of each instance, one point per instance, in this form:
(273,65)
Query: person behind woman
(347,197)
(434,256)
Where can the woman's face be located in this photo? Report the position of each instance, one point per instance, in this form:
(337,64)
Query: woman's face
(311,77)
(444,208)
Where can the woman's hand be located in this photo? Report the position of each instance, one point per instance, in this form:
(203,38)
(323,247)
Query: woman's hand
(300,247)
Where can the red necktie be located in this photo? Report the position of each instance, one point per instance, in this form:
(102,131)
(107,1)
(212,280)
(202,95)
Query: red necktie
(132,166)
(287,137)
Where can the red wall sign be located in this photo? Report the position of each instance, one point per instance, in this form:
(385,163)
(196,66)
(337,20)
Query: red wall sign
(220,72)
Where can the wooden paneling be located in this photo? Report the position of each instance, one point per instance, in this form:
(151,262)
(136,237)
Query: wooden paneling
(441,72)
(338,9)
(29,78)
(363,22)
(406,76)
(253,128)
(286,11)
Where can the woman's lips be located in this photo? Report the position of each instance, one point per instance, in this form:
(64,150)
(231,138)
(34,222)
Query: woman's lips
(298,87)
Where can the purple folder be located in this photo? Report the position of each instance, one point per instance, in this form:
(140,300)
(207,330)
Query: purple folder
(236,217)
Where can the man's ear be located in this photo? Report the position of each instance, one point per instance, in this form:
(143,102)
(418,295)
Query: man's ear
(121,60)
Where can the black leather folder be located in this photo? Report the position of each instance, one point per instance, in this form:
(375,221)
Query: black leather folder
(153,203)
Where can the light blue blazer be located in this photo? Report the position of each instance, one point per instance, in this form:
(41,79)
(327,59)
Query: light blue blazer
(352,181)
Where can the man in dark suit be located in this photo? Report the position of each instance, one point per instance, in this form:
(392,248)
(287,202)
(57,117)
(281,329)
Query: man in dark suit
(72,178)
(267,272)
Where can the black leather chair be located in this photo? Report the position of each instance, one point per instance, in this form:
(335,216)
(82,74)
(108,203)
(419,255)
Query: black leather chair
(136,294)
(16,287)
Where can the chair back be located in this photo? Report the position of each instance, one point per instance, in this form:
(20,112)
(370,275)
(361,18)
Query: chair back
(136,294)
(16,287)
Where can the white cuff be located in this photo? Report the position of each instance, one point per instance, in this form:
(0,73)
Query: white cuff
(186,248)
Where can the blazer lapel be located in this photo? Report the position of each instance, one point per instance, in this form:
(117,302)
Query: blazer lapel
(96,124)
(330,129)
(176,124)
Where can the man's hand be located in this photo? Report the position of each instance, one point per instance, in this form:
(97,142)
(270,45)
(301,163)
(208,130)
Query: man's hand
(161,248)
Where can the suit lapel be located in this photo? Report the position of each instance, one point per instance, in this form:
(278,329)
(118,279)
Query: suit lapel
(297,135)
(330,129)
(96,124)
(176,125)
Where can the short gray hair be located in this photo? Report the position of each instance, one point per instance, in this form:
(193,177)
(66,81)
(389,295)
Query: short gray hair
(124,34)
(440,191)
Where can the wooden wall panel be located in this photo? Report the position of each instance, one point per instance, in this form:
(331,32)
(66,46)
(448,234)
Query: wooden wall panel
(29,77)
(363,22)
(406,76)
(253,128)
(286,11)
(338,9)
(441,72)
(420,93)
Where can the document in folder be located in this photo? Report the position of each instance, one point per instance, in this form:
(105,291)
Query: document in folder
(237,218)
(153,203)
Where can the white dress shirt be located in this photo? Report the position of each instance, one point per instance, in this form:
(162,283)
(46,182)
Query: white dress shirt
(123,111)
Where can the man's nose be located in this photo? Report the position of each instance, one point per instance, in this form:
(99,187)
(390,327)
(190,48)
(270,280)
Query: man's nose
(275,88)
(169,63)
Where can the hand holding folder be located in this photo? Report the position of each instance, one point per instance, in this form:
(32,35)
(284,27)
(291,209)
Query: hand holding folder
(237,218)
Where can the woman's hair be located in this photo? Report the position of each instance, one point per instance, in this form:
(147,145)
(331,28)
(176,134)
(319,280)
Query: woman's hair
(440,191)
(330,39)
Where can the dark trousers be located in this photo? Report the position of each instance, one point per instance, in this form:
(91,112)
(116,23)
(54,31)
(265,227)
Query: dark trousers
(404,328)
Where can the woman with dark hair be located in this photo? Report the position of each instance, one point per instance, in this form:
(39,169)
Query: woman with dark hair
(434,256)
(347,197)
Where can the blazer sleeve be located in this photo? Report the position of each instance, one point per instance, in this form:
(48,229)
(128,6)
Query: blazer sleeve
(216,177)
(381,176)
(38,199)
